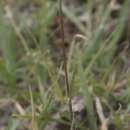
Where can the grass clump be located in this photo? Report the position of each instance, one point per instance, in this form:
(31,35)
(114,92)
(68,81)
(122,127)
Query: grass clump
(96,56)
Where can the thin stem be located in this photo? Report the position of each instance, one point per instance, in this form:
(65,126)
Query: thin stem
(65,58)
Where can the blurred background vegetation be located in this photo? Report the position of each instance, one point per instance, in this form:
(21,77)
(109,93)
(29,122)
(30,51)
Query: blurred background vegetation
(32,85)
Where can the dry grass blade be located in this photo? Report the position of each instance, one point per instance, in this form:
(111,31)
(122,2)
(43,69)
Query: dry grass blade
(103,120)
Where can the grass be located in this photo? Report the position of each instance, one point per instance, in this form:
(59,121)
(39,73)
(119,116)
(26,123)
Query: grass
(34,81)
